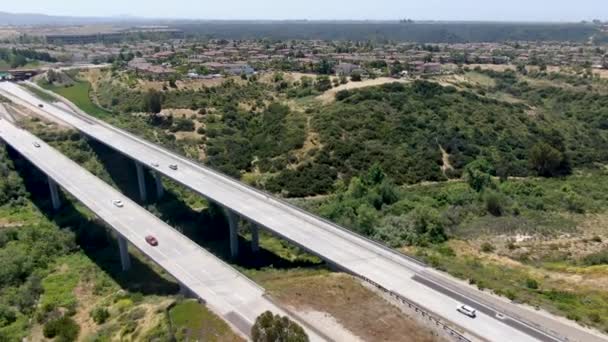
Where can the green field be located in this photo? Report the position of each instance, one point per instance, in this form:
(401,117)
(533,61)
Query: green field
(194,322)
(78,93)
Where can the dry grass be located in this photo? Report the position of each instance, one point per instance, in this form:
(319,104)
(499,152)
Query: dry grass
(353,306)
(329,96)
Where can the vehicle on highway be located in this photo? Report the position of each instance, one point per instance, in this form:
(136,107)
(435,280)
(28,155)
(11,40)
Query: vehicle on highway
(151,240)
(154,164)
(36,144)
(118,203)
(40,105)
(467,310)
(173,166)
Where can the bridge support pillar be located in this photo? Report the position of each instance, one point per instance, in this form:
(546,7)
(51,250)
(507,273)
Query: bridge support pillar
(233,222)
(255,238)
(125,259)
(160,191)
(141,181)
(184,291)
(55,199)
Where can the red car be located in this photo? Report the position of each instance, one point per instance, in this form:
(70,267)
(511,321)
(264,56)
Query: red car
(151,240)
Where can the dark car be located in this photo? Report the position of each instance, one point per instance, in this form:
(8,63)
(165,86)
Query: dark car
(151,240)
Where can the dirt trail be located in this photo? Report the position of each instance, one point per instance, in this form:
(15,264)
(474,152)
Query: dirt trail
(329,96)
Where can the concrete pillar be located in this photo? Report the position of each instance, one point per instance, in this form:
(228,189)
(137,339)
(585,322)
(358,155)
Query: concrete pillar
(141,181)
(233,222)
(125,259)
(55,199)
(183,290)
(255,238)
(159,185)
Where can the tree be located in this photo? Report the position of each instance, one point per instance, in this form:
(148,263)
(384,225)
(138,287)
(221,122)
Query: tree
(64,328)
(545,160)
(355,77)
(478,174)
(274,328)
(153,101)
(323,83)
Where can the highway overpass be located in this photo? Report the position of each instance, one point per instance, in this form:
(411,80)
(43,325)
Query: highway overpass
(224,290)
(498,319)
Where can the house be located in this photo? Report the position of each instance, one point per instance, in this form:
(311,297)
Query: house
(347,69)
(155,71)
(231,68)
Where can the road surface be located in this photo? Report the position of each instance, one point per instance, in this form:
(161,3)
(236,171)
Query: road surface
(227,292)
(393,271)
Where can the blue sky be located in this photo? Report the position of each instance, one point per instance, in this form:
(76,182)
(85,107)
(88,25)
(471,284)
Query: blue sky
(505,10)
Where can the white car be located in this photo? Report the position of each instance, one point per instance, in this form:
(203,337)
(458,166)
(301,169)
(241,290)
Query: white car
(36,144)
(155,164)
(118,203)
(173,166)
(467,310)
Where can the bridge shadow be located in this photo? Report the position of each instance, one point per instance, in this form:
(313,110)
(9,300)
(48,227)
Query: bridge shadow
(95,239)
(122,171)
(208,227)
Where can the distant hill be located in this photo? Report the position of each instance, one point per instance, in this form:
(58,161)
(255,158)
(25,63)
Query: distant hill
(34,19)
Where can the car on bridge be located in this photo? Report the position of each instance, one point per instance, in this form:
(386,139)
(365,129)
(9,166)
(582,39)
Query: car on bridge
(118,203)
(467,310)
(151,240)
(173,166)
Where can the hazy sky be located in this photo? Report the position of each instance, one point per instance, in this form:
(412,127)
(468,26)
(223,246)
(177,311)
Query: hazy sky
(505,10)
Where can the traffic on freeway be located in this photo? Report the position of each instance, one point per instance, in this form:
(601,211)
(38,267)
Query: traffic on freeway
(494,319)
(224,290)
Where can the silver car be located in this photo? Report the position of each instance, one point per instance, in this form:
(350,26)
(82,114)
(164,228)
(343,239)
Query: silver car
(467,310)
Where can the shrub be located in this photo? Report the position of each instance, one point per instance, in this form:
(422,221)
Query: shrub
(546,160)
(100,315)
(274,328)
(7,316)
(64,329)
(494,202)
(599,258)
(531,284)
(487,247)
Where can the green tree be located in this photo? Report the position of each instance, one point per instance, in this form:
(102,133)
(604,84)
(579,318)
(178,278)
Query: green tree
(323,83)
(545,160)
(153,101)
(64,329)
(355,77)
(274,328)
(478,174)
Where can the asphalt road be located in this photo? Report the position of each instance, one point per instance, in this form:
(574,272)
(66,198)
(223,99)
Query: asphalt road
(227,292)
(349,251)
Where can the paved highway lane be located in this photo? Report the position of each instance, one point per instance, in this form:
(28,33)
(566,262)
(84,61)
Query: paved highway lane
(337,245)
(226,291)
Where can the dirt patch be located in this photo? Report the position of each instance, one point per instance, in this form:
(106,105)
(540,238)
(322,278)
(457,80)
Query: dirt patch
(353,306)
(329,96)
(445,159)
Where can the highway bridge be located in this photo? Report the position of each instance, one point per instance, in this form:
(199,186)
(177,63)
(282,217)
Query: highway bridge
(435,292)
(224,290)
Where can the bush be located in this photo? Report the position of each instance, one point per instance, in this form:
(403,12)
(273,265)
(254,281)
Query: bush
(7,316)
(64,329)
(100,315)
(487,247)
(546,160)
(599,258)
(494,202)
(531,284)
(274,328)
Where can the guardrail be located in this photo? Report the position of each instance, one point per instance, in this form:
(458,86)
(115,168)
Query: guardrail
(421,310)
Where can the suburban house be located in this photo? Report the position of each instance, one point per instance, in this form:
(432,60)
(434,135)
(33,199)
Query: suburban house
(347,69)
(230,68)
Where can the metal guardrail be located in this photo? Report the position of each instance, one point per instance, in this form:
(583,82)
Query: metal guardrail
(422,311)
